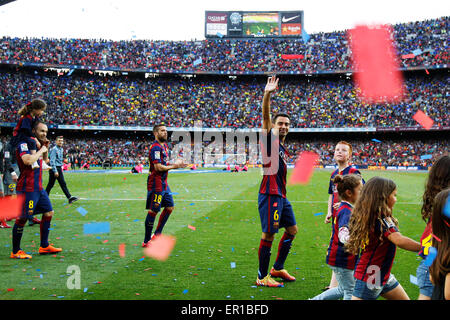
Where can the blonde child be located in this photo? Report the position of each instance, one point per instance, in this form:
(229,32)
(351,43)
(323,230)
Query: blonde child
(342,156)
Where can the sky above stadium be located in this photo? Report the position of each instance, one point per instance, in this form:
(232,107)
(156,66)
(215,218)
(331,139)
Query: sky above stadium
(185,20)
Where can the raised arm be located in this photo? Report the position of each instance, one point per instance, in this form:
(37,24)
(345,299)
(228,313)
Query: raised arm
(272,85)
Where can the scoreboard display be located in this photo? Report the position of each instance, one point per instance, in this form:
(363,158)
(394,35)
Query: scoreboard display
(253,24)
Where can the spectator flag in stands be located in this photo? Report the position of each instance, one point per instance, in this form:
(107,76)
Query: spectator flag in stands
(291,56)
(305,36)
(198,61)
(426,157)
(377,73)
(417,52)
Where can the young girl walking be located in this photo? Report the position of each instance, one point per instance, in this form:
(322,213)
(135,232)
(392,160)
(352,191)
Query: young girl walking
(341,262)
(438,180)
(440,268)
(375,236)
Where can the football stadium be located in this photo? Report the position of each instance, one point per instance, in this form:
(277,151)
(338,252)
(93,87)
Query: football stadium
(138,169)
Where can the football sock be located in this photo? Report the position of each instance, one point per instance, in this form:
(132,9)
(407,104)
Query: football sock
(45,230)
(283,249)
(162,220)
(149,221)
(17,234)
(264,257)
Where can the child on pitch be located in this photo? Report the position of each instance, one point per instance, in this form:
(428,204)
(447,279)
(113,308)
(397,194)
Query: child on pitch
(375,236)
(438,180)
(342,155)
(29,114)
(341,262)
(440,268)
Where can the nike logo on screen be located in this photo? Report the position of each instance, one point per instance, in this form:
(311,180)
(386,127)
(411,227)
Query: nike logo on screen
(288,19)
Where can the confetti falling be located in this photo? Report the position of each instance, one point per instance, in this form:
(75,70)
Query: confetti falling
(11,207)
(304,168)
(377,74)
(122,250)
(424,120)
(97,227)
(82,211)
(160,247)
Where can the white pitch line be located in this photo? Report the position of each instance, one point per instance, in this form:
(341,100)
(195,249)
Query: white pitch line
(212,200)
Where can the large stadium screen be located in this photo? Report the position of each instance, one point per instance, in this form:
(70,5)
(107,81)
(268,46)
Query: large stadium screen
(249,24)
(261,24)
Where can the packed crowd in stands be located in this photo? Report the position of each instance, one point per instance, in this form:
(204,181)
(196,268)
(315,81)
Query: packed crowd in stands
(323,51)
(128,152)
(373,153)
(120,101)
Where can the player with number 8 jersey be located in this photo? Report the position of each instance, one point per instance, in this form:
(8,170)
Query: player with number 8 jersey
(36,198)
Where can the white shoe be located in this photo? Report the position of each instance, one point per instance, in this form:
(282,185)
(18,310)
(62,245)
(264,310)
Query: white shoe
(45,166)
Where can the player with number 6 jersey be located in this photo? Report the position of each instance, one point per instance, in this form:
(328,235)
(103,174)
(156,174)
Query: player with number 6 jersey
(275,210)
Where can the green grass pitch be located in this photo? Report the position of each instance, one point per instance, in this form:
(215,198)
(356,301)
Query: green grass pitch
(223,209)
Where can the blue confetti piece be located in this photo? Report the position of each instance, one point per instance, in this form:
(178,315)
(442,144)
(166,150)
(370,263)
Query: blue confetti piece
(174,193)
(82,211)
(413,279)
(446,210)
(85,290)
(318,214)
(232,249)
(67,91)
(185,291)
(233,265)
(191,204)
(96,227)
(376,140)
(432,252)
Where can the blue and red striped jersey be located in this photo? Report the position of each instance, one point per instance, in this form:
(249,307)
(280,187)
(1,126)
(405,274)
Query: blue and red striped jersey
(274,183)
(336,254)
(378,253)
(24,125)
(30,179)
(332,188)
(159,153)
